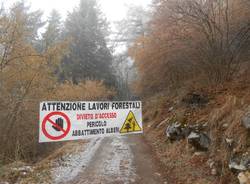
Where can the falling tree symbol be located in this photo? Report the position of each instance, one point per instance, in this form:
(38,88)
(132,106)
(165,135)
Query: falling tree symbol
(127,126)
(130,124)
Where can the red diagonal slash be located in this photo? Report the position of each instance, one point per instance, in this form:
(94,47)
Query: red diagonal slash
(58,127)
(47,119)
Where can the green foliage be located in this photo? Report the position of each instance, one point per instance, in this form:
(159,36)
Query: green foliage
(53,31)
(89,56)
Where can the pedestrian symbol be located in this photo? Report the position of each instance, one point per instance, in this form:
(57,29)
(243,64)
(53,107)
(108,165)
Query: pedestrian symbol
(130,124)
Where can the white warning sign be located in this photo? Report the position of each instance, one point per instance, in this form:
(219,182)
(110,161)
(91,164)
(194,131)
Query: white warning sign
(61,121)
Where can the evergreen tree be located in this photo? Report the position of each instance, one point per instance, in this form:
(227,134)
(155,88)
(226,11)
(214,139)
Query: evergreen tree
(53,31)
(89,56)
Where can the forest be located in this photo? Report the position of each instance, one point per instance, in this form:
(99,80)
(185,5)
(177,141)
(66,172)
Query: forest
(68,61)
(175,51)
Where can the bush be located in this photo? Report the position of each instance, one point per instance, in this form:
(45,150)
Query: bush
(192,41)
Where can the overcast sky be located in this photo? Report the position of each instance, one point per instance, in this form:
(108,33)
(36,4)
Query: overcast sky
(113,9)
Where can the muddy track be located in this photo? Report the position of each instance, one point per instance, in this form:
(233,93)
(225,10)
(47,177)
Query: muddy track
(113,160)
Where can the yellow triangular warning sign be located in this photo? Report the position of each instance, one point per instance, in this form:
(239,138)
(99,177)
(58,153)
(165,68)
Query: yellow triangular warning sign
(130,124)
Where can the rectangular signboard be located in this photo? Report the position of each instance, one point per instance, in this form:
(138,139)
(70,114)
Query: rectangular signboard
(61,121)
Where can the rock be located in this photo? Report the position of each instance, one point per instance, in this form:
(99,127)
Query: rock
(26,169)
(214,171)
(193,133)
(195,99)
(244,177)
(205,125)
(176,131)
(186,131)
(240,163)
(211,164)
(170,109)
(157,174)
(198,153)
(199,140)
(229,142)
(235,166)
(23,173)
(198,127)
(246,121)
(246,161)
(173,131)
(225,125)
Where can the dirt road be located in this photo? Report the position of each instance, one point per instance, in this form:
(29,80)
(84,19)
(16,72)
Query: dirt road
(112,160)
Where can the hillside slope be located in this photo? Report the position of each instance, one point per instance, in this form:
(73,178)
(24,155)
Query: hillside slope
(219,114)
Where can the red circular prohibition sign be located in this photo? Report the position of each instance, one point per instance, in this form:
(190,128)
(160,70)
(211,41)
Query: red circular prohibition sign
(47,119)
